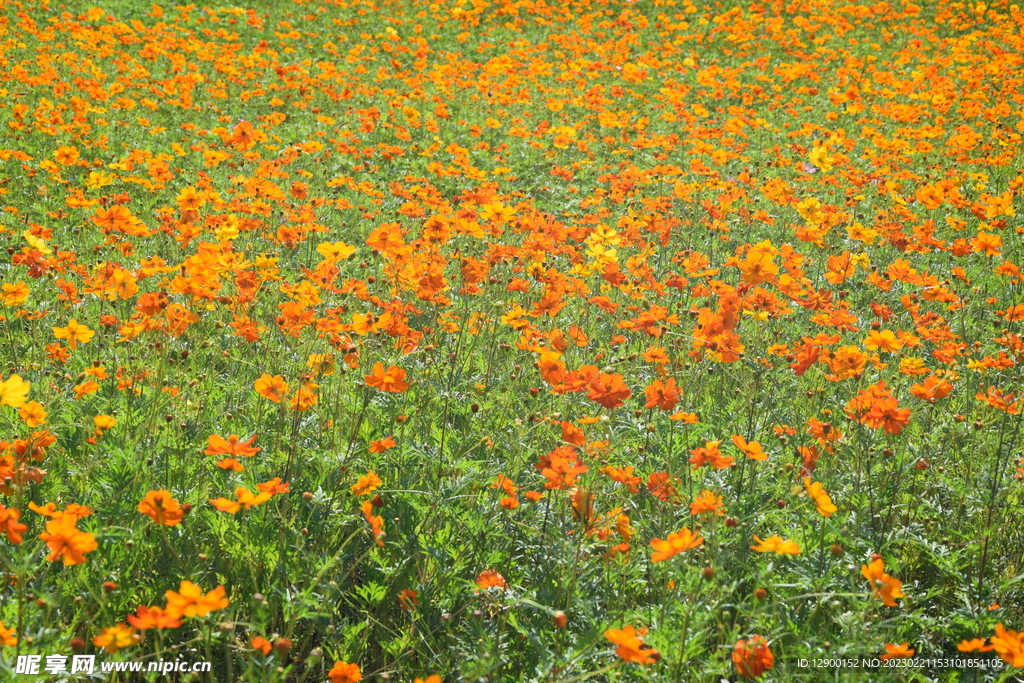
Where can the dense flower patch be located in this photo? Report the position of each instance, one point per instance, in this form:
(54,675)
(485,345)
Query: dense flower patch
(492,340)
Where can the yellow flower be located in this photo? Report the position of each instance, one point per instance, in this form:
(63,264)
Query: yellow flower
(14,294)
(36,242)
(104,422)
(13,391)
(336,251)
(32,414)
(820,497)
(74,333)
(775,544)
(113,638)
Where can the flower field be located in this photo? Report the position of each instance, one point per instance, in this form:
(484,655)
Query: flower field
(494,340)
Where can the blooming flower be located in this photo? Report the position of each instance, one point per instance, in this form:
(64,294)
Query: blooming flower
(391,380)
(490,578)
(13,391)
(66,542)
(676,543)
(153,617)
(114,638)
(662,395)
(162,508)
(273,388)
(10,525)
(245,499)
(884,586)
(343,672)
(893,651)
(631,646)
(775,544)
(707,501)
(820,497)
(608,389)
(75,333)
(233,445)
(7,638)
(32,414)
(368,483)
(1009,645)
(752,657)
(709,454)
(190,601)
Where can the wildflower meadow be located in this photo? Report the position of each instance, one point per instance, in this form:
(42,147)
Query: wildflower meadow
(511,340)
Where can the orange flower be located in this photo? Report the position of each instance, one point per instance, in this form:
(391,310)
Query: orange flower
(273,388)
(561,466)
(162,508)
(114,638)
(631,646)
(609,390)
(572,434)
(886,413)
(376,522)
(1009,645)
(820,497)
(368,483)
(383,444)
(32,414)
(245,499)
(931,389)
(707,501)
(342,672)
(218,445)
(709,454)
(882,585)
(85,388)
(408,599)
(10,525)
(391,380)
(884,340)
(490,578)
(775,544)
(274,486)
(675,543)
(152,617)
(975,645)
(663,395)
(751,449)
(893,651)
(663,488)
(7,638)
(66,542)
(752,657)
(305,397)
(623,476)
(261,644)
(190,601)
(50,510)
